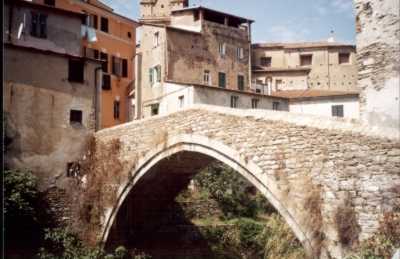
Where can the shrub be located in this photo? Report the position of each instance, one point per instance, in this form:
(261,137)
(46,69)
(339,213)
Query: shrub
(385,242)
(233,193)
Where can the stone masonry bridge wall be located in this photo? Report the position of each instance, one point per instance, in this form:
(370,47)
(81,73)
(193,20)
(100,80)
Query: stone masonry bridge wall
(312,169)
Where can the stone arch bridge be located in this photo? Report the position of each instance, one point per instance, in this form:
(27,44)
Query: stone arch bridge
(312,170)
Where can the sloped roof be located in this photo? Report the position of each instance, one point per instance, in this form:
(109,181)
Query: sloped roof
(300,45)
(312,93)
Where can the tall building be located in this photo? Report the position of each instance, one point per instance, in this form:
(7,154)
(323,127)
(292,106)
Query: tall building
(109,37)
(194,55)
(51,92)
(309,65)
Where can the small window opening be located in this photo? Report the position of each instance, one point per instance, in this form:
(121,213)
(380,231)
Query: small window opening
(75,117)
(76,70)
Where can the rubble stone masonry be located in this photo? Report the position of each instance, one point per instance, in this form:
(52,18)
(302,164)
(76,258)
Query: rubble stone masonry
(294,160)
(378,51)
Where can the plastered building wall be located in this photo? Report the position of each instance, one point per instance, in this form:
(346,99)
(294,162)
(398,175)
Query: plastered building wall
(323,106)
(37,107)
(325,72)
(378,60)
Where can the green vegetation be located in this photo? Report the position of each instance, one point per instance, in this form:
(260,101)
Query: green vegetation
(385,242)
(249,226)
(62,244)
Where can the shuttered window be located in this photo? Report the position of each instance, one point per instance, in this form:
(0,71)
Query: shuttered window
(221,80)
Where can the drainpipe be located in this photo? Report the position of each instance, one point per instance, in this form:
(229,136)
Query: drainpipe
(98,80)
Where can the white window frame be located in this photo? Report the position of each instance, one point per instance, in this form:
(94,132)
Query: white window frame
(240,53)
(156,39)
(254,103)
(181,101)
(222,48)
(234,101)
(207,77)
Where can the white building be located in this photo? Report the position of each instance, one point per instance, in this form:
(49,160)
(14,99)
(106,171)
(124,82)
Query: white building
(322,102)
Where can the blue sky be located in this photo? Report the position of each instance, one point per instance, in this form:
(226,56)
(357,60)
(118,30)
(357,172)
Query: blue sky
(278,20)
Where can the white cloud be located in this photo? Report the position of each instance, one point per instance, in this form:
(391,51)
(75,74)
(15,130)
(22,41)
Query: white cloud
(283,33)
(342,5)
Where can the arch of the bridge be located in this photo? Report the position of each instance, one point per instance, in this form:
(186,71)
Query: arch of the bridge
(217,151)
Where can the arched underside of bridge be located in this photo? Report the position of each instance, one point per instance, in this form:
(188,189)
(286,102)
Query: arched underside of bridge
(163,174)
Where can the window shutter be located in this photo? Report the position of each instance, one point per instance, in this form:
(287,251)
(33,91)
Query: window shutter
(158,73)
(43,26)
(151,75)
(34,24)
(125,68)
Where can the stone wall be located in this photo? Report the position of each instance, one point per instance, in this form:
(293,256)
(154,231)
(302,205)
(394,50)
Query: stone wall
(293,160)
(378,58)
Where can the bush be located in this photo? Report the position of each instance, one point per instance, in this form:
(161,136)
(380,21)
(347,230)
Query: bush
(235,196)
(385,242)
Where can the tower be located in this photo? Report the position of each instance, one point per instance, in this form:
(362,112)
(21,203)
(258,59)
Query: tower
(159,11)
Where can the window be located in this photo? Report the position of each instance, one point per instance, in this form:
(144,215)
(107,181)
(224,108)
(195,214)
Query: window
(157,70)
(124,68)
(151,76)
(39,25)
(91,20)
(106,82)
(305,60)
(75,117)
(275,106)
(221,80)
(337,111)
(104,24)
(241,82)
(278,84)
(91,53)
(129,34)
(116,109)
(240,53)
(254,103)
(76,70)
(181,101)
(50,2)
(234,101)
(104,58)
(207,77)
(222,49)
(344,58)
(156,39)
(154,109)
(118,66)
(155,74)
(266,61)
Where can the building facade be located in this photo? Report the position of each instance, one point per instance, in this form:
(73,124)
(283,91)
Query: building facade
(311,65)
(327,103)
(108,37)
(188,48)
(51,92)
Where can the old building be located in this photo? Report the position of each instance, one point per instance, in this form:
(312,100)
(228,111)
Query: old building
(310,65)
(194,55)
(327,103)
(110,37)
(51,92)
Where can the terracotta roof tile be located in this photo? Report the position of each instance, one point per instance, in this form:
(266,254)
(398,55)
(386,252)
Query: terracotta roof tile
(312,93)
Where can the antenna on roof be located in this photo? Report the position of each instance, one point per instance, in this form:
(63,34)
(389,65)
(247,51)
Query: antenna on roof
(332,37)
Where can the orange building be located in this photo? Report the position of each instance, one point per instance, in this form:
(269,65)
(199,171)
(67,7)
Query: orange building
(109,37)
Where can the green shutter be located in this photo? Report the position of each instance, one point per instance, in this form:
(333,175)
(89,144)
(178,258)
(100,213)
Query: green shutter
(222,80)
(151,75)
(158,73)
